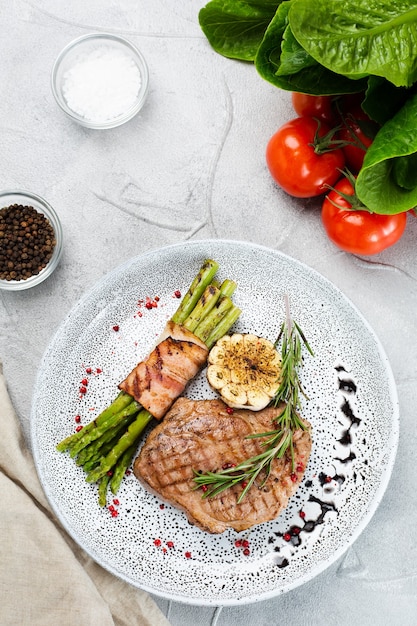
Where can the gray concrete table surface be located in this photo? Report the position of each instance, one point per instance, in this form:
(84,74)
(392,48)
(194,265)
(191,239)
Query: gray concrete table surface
(191,166)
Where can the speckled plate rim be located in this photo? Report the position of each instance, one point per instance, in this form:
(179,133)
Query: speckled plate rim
(206,248)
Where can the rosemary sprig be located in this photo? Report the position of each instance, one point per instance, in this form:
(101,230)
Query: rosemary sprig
(278,441)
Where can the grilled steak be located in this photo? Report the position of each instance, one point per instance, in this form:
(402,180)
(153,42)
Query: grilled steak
(203,436)
(159,380)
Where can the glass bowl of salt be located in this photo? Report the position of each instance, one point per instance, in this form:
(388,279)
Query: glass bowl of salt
(100,80)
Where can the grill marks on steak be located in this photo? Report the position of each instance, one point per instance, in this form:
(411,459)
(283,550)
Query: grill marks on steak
(160,379)
(201,435)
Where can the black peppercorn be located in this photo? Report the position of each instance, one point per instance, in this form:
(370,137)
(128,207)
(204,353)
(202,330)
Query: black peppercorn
(27,242)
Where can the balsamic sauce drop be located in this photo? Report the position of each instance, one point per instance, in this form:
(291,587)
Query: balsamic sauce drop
(294,534)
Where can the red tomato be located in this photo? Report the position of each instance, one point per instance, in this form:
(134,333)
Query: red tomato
(358,131)
(358,231)
(350,101)
(294,163)
(320,107)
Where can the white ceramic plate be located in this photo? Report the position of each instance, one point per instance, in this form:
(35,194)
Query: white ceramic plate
(353,409)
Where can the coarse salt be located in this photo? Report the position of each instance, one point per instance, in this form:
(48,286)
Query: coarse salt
(102,85)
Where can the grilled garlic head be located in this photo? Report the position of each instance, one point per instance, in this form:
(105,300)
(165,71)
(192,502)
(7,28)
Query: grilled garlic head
(245,369)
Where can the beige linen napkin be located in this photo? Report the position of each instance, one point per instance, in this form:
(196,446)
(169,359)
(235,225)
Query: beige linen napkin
(45,578)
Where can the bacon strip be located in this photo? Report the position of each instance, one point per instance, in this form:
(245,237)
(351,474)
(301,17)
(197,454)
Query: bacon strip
(160,379)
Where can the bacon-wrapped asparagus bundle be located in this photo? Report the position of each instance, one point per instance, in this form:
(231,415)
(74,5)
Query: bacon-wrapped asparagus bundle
(205,314)
(159,380)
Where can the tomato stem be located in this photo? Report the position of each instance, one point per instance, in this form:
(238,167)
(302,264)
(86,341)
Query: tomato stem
(368,127)
(326,143)
(355,203)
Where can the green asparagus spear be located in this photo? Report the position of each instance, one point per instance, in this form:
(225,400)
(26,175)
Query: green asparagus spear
(207,302)
(126,440)
(95,448)
(200,282)
(223,327)
(206,326)
(121,466)
(99,428)
(119,403)
(103,483)
(95,460)
(228,287)
(203,307)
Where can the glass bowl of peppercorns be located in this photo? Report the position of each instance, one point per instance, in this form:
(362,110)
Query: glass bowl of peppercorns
(30,240)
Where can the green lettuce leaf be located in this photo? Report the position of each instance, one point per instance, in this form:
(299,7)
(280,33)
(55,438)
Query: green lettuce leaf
(357,38)
(383,99)
(387,182)
(283,62)
(405,171)
(235,28)
(293,57)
